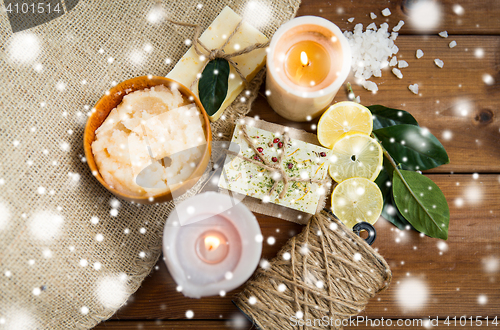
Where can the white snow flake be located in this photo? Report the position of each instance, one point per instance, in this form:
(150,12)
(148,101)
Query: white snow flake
(23,47)
(112,291)
(45,225)
(488,79)
(412,294)
(4,216)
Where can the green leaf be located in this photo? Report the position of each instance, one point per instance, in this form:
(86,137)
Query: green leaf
(390,212)
(412,146)
(383,181)
(213,85)
(422,203)
(385,117)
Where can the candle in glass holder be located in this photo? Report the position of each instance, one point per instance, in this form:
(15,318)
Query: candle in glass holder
(211,244)
(308,60)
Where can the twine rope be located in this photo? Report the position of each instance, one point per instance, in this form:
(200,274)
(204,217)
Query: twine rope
(276,169)
(347,285)
(212,54)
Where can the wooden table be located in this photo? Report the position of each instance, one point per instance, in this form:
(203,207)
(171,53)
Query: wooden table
(454,102)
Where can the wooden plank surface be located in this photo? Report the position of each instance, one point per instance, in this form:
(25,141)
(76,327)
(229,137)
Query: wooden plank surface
(242,324)
(478,16)
(454,274)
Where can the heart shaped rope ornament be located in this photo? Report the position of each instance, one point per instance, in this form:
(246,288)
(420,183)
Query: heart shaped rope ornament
(326,272)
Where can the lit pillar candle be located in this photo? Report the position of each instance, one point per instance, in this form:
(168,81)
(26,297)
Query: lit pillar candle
(211,244)
(308,61)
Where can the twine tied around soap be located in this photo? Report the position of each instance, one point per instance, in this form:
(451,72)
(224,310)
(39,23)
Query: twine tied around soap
(277,167)
(212,54)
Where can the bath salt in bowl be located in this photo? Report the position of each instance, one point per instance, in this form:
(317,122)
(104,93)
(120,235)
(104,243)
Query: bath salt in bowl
(147,138)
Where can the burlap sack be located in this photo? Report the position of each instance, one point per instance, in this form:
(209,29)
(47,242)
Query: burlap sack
(71,254)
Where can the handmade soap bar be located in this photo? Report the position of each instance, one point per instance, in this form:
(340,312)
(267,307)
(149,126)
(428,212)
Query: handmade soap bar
(186,70)
(301,159)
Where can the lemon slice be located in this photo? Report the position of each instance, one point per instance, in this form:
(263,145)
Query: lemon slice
(341,118)
(356,155)
(357,199)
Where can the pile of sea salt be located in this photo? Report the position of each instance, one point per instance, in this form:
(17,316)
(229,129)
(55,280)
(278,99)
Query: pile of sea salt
(371,51)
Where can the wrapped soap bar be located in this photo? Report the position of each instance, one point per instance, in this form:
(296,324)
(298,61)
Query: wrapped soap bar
(300,160)
(190,65)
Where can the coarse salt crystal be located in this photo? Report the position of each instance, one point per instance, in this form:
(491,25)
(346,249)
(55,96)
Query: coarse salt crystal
(373,16)
(350,20)
(386,12)
(397,73)
(402,64)
(399,26)
(357,99)
(394,36)
(394,61)
(371,51)
(452,44)
(413,88)
(443,34)
(419,53)
(370,85)
(438,63)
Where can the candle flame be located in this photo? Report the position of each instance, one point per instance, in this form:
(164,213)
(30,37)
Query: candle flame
(211,243)
(304,59)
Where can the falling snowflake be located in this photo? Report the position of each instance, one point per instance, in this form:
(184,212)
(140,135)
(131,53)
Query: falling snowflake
(412,294)
(112,291)
(64,146)
(265,264)
(425,15)
(271,240)
(61,86)
(23,47)
(4,216)
(136,57)
(482,299)
(189,314)
(488,79)
(46,225)
(491,264)
(259,238)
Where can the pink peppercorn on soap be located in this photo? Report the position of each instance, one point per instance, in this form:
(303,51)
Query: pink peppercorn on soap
(301,159)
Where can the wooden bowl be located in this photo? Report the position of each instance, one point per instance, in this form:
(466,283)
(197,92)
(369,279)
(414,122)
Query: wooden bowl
(112,99)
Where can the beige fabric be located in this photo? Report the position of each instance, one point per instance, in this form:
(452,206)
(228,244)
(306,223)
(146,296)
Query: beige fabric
(56,222)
